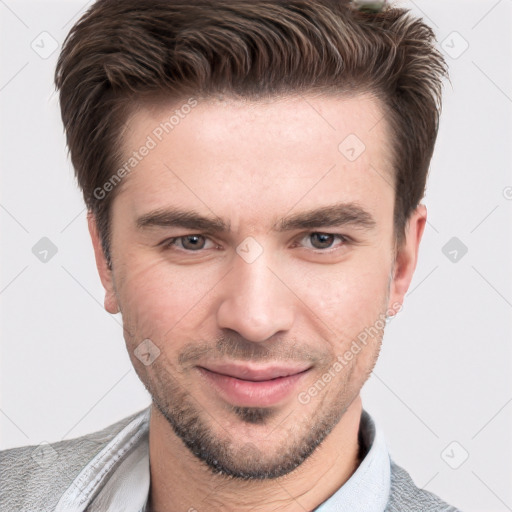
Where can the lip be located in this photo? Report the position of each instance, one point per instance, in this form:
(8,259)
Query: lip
(254,386)
(255,372)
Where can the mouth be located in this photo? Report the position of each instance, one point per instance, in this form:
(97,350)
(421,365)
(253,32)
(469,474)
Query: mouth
(252,386)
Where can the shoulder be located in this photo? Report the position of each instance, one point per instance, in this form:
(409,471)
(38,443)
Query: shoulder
(37,475)
(406,497)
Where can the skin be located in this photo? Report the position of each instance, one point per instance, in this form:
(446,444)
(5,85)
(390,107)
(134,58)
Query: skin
(252,164)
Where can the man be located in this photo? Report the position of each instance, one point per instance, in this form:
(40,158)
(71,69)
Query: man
(253,174)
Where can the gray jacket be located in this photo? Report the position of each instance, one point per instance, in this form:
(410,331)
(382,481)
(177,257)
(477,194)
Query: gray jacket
(33,478)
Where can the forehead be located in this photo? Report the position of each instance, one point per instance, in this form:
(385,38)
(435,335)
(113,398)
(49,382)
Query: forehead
(237,152)
(293,118)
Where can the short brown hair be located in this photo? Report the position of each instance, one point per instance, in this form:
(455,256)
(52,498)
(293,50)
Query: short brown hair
(122,51)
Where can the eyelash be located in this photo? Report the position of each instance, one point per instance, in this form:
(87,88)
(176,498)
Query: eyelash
(169,243)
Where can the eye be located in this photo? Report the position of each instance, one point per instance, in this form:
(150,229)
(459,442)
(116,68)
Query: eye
(322,241)
(191,243)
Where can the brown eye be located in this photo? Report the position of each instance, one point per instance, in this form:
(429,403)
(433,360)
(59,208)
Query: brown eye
(321,240)
(191,242)
(324,242)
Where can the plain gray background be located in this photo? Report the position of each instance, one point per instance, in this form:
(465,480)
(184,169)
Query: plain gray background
(441,391)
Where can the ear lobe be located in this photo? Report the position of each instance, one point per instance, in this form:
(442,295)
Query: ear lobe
(407,256)
(104,272)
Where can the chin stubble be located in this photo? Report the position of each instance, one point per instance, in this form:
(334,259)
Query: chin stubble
(240,460)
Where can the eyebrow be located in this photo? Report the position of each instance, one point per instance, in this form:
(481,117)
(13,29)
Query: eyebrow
(335,215)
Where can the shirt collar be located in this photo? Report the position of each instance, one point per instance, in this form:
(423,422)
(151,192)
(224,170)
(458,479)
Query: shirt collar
(118,478)
(367,490)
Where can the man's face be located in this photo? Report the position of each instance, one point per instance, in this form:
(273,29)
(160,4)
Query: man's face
(247,316)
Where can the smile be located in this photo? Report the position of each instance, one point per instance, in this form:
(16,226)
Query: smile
(250,386)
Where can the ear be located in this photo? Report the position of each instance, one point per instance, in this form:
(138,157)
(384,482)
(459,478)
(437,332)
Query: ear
(105,273)
(407,257)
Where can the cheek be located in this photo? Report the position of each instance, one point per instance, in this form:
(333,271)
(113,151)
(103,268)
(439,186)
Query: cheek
(347,296)
(157,297)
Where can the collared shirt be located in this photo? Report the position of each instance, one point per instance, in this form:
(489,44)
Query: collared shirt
(118,478)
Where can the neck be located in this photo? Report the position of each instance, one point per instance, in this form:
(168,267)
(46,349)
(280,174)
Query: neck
(180,481)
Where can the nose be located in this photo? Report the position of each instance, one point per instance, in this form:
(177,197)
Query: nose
(255,300)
